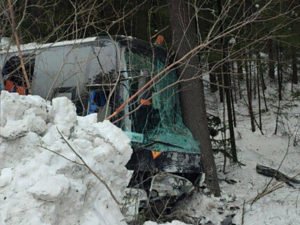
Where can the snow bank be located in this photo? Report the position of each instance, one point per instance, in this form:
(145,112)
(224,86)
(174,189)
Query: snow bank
(42,181)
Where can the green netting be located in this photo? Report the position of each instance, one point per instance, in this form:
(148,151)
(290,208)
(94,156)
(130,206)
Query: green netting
(161,122)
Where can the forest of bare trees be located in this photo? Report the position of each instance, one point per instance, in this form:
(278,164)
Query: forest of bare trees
(243,47)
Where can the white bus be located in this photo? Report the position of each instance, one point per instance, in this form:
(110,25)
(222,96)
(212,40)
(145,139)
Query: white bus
(100,73)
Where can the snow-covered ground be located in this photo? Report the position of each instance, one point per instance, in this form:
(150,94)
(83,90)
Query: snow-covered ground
(44,182)
(241,185)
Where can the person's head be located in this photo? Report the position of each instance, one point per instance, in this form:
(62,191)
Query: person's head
(159,39)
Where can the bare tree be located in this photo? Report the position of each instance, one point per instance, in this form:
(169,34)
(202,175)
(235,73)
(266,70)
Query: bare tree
(192,92)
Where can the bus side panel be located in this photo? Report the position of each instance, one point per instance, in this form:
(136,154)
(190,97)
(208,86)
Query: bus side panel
(60,67)
(102,61)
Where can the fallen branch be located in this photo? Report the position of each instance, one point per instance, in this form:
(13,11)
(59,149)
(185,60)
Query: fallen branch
(276,174)
(56,153)
(279,176)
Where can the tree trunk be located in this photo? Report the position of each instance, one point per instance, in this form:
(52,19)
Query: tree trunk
(212,79)
(228,91)
(233,110)
(279,72)
(249,94)
(221,85)
(192,95)
(271,59)
(227,82)
(240,75)
(262,80)
(234,82)
(258,73)
(294,66)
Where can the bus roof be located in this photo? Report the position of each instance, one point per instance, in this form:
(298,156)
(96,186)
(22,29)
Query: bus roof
(35,46)
(136,45)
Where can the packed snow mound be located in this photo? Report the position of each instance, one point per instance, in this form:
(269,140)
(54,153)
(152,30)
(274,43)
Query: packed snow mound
(42,181)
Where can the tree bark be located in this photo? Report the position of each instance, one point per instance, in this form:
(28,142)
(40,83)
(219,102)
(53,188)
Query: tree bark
(271,59)
(228,89)
(294,66)
(212,79)
(229,108)
(249,92)
(192,94)
(279,71)
(240,76)
(258,74)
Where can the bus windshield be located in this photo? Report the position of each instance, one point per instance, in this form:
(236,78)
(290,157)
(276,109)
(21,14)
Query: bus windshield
(156,112)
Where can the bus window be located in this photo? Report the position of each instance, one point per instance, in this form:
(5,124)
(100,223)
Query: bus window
(13,75)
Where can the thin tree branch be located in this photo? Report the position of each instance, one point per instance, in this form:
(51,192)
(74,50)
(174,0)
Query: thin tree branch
(89,168)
